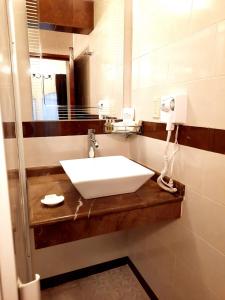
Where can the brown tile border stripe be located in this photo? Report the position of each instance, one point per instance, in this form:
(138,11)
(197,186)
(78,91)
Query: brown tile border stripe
(154,130)
(61,128)
(9,130)
(209,139)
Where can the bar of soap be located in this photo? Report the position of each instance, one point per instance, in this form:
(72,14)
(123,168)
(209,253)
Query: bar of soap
(52,200)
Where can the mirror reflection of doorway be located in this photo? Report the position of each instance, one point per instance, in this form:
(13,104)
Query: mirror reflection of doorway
(82,84)
(49,89)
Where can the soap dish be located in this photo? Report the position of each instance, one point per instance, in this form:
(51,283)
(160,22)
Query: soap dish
(52,200)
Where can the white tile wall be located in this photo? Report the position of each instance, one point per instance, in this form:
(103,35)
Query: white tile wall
(47,151)
(186,59)
(184,259)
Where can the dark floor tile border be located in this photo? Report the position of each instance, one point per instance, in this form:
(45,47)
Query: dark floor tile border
(9,130)
(61,128)
(142,281)
(81,273)
(91,270)
(209,139)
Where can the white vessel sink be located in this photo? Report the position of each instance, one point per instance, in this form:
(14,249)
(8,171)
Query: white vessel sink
(105,176)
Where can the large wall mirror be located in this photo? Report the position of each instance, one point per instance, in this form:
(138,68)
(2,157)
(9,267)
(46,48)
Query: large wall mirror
(76,52)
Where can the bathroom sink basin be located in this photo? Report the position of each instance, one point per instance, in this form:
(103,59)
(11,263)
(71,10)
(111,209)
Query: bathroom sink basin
(105,176)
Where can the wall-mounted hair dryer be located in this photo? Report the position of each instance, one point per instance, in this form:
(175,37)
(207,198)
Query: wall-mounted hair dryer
(173,111)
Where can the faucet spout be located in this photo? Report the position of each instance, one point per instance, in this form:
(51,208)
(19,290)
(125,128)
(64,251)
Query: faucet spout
(92,143)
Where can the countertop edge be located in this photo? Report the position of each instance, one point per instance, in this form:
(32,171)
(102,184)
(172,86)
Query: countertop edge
(103,213)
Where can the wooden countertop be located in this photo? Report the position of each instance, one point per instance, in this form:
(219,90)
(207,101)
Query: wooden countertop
(75,207)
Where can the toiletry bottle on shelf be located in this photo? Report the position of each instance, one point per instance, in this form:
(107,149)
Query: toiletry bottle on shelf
(106,125)
(110,126)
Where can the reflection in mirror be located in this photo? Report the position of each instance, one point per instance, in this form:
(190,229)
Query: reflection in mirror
(53,79)
(76,75)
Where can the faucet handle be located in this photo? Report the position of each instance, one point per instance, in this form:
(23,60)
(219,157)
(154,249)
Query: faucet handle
(91,131)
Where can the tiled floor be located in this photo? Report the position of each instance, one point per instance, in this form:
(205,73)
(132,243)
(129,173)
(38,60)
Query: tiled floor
(115,284)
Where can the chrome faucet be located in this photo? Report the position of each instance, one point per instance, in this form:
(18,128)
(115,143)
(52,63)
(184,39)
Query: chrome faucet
(92,143)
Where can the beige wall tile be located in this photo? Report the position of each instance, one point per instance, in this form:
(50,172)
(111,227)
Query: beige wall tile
(214,177)
(206,103)
(205,218)
(180,12)
(189,162)
(7,105)
(194,58)
(147,151)
(206,100)
(206,12)
(47,151)
(80,44)
(188,167)
(19,5)
(153,67)
(193,257)
(11,154)
(112,145)
(145,35)
(206,263)
(196,240)
(142,101)
(143,98)
(190,286)
(220,57)
(79,254)
(150,32)
(147,255)
(56,42)
(202,171)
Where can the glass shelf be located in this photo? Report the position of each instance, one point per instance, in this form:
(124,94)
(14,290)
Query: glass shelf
(126,130)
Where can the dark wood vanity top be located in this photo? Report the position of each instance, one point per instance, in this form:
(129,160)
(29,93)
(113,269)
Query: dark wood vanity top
(148,195)
(77,218)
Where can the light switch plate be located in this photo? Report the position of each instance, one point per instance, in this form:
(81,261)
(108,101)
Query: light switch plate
(156,108)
